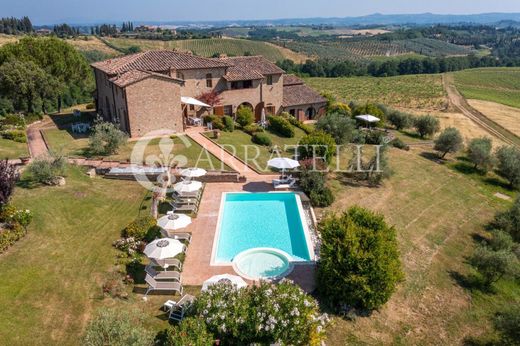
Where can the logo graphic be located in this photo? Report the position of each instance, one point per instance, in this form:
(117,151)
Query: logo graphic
(153,155)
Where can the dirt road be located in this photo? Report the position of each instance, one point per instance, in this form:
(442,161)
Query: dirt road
(457,101)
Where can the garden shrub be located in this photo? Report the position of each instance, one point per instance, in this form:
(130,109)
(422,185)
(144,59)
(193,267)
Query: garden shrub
(106,138)
(359,264)
(13,120)
(339,108)
(15,135)
(400,144)
(143,228)
(10,234)
(265,314)
(318,144)
(252,129)
(369,108)
(339,126)
(229,123)
(297,123)
(426,125)
(215,120)
(45,170)
(261,139)
(116,326)
(280,126)
(500,240)
(8,177)
(244,116)
(313,183)
(190,332)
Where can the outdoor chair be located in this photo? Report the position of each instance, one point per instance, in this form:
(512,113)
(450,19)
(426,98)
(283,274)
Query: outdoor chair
(284,187)
(184,209)
(171,262)
(178,309)
(179,236)
(162,275)
(185,200)
(154,285)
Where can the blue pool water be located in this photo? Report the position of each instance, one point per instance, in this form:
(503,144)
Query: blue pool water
(256,220)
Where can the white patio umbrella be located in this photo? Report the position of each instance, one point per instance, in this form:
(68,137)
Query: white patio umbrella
(236,281)
(187,186)
(174,221)
(283,163)
(164,248)
(193,173)
(369,119)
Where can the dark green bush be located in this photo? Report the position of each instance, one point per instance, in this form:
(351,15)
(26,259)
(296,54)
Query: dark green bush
(296,123)
(359,262)
(261,139)
(244,116)
(144,228)
(400,120)
(508,159)
(507,323)
(339,126)
(509,221)
(318,143)
(229,123)
(426,125)
(13,120)
(323,198)
(252,129)
(313,183)
(281,126)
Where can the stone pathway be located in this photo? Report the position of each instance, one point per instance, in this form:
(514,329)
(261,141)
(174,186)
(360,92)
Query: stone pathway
(35,142)
(241,167)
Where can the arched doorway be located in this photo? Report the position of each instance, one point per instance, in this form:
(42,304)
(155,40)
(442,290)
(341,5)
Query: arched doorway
(246,104)
(258,111)
(310,113)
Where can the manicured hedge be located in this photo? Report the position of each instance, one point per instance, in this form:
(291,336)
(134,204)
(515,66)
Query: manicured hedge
(261,139)
(281,126)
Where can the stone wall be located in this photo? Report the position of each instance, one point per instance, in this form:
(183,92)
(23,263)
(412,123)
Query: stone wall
(154,104)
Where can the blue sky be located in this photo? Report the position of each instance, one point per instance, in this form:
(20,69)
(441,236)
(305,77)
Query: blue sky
(54,11)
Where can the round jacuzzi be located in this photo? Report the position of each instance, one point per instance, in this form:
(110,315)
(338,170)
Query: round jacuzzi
(262,263)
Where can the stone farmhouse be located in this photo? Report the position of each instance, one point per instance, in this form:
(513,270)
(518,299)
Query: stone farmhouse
(142,92)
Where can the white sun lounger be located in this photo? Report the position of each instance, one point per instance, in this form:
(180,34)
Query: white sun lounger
(154,285)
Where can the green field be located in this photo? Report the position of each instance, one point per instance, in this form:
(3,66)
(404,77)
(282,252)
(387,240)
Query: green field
(12,150)
(205,47)
(437,211)
(501,85)
(63,142)
(413,91)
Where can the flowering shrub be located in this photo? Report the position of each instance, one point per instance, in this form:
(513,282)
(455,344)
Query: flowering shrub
(190,332)
(15,225)
(266,314)
(144,228)
(130,246)
(23,217)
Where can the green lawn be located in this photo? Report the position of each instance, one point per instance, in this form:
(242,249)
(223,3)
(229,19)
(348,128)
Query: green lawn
(414,91)
(12,150)
(240,144)
(51,279)
(501,85)
(437,211)
(64,142)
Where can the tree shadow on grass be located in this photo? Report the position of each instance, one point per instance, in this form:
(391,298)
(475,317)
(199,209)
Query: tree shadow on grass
(471,282)
(432,157)
(26,183)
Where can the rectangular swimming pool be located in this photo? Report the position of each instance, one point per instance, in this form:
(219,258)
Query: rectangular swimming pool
(261,220)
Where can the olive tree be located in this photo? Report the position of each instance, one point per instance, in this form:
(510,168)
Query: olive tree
(106,139)
(359,262)
(449,141)
(493,265)
(426,125)
(507,323)
(480,153)
(339,126)
(509,221)
(509,164)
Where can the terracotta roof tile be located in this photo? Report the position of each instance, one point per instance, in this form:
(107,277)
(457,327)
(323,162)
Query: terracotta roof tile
(290,79)
(159,60)
(249,68)
(134,76)
(300,94)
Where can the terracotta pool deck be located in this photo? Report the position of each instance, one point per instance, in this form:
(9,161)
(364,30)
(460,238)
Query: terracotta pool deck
(197,267)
